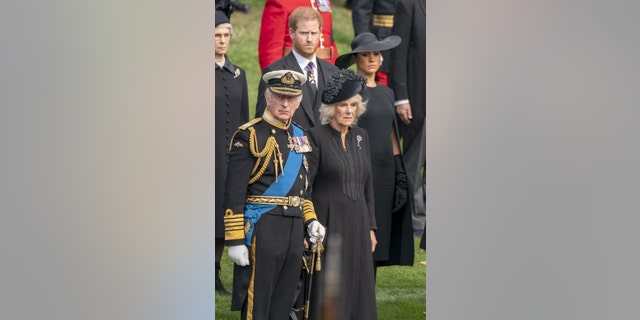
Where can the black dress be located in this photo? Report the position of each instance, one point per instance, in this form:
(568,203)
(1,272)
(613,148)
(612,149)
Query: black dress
(394,234)
(232,110)
(342,193)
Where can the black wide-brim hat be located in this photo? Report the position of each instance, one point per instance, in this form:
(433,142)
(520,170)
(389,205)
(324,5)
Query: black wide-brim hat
(367,42)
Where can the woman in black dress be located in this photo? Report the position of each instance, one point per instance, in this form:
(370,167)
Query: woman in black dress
(342,193)
(232,110)
(393,216)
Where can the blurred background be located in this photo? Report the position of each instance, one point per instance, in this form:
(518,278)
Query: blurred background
(107,164)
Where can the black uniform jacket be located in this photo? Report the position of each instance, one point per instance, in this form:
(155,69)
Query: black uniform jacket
(246,164)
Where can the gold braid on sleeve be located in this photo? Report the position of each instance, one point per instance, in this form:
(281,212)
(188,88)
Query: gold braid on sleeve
(270,150)
(308,211)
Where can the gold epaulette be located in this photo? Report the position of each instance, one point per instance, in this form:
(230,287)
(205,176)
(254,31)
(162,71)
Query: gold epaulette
(249,124)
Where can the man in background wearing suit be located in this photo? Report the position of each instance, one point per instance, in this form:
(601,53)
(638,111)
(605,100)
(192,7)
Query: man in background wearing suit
(305,25)
(408,81)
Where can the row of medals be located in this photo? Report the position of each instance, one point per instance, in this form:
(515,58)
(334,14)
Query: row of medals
(301,145)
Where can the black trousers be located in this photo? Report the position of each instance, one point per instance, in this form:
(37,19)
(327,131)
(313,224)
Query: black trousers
(274,270)
(414,154)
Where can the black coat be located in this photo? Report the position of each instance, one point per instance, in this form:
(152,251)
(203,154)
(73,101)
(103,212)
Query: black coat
(408,77)
(232,110)
(343,196)
(307,116)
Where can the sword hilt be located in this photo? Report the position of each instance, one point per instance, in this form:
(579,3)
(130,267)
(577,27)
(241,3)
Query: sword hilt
(319,248)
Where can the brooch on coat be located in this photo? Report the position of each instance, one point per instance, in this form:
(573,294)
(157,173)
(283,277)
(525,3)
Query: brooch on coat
(358,139)
(237,73)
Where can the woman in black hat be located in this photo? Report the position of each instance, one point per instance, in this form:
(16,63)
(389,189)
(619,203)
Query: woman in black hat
(342,193)
(393,215)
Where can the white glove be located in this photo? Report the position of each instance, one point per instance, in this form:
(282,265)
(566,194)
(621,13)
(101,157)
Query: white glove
(316,231)
(239,254)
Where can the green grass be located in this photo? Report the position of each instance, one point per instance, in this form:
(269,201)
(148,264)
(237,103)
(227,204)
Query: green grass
(400,291)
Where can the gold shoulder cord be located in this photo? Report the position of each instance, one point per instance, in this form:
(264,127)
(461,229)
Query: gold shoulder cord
(271,148)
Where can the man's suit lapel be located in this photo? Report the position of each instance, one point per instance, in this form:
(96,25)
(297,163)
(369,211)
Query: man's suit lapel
(321,81)
(307,102)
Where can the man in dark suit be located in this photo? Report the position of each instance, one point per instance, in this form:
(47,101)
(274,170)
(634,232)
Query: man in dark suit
(305,28)
(408,81)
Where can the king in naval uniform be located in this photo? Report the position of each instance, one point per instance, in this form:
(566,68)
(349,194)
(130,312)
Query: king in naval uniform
(268,212)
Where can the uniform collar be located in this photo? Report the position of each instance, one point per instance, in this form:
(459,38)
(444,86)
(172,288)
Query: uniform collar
(270,119)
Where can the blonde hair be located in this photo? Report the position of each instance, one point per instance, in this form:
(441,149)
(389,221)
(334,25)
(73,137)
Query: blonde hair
(327,111)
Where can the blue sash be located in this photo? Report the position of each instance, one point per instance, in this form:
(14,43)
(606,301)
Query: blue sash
(280,188)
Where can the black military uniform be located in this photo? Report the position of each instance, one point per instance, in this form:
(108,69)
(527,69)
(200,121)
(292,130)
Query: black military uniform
(267,210)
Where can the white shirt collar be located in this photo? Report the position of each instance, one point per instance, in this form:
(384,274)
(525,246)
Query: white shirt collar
(303,62)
